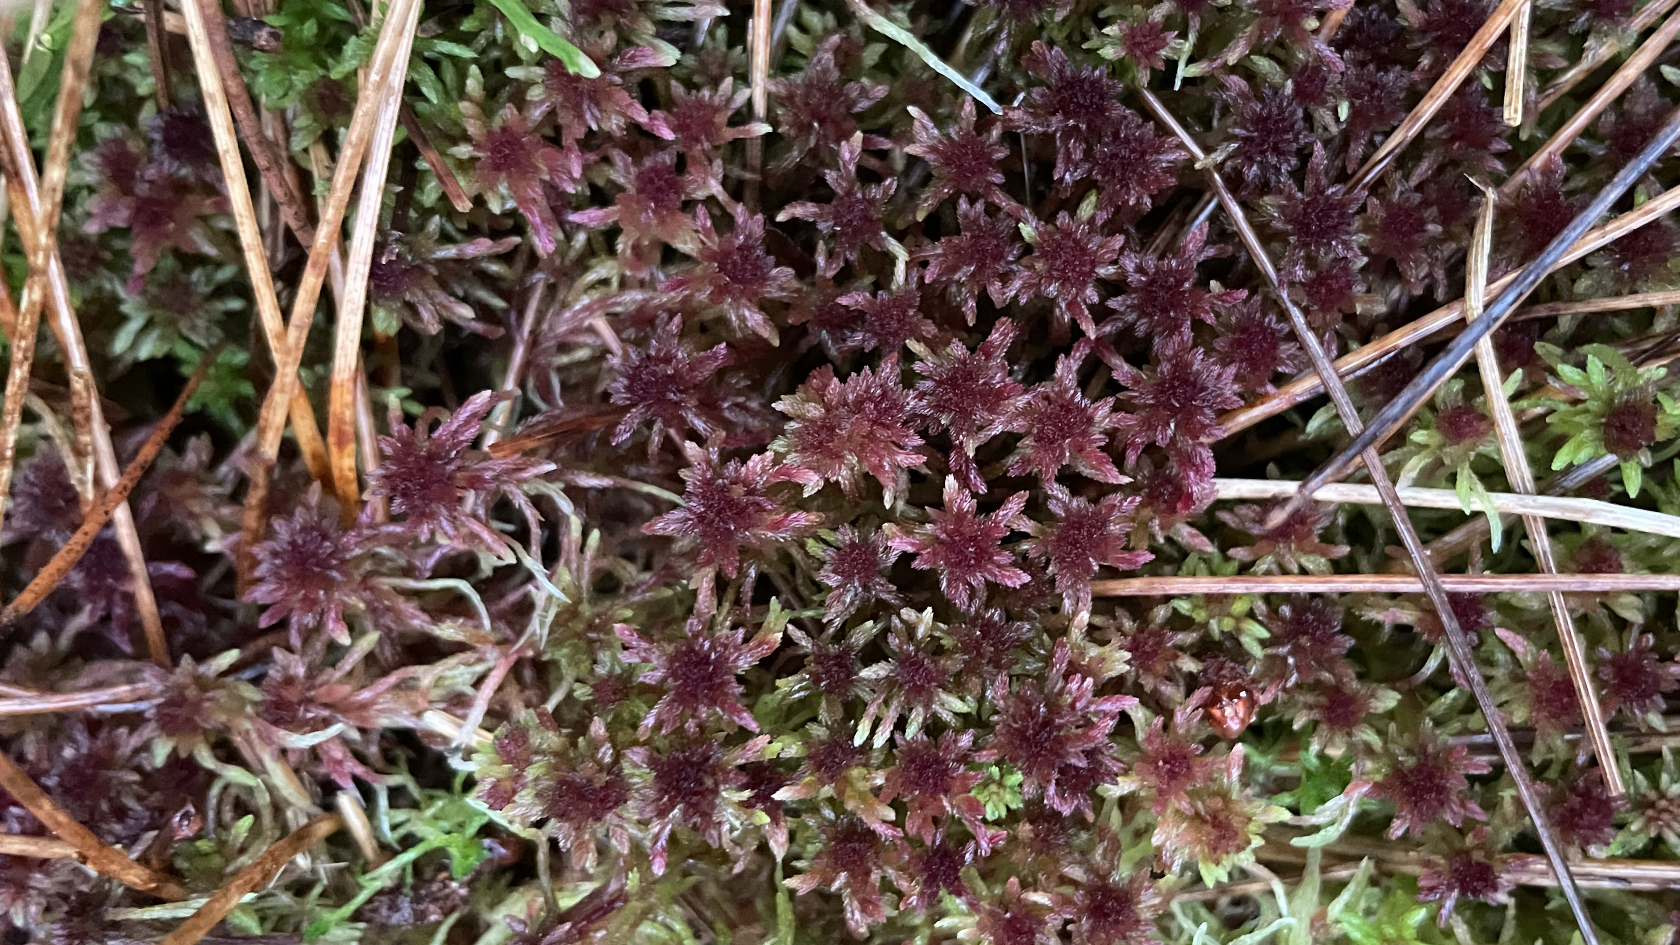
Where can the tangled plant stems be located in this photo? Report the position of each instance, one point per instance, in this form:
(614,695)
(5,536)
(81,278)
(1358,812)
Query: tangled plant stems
(812,471)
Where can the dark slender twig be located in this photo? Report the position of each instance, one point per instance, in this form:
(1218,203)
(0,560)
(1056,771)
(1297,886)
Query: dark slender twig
(152,10)
(1458,642)
(1459,350)
(64,560)
(1360,360)
(428,152)
(103,859)
(271,163)
(252,878)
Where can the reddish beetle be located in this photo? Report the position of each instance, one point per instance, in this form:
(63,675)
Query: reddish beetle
(1233,709)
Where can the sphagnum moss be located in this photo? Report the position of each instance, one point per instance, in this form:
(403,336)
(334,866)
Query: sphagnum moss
(768,617)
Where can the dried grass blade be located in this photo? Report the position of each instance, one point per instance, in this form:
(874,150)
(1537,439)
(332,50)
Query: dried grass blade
(367,438)
(1613,303)
(886,27)
(202,27)
(39,703)
(445,175)
(347,347)
(38,16)
(360,828)
(40,848)
(36,226)
(1580,511)
(1649,875)
(400,20)
(1570,131)
(1333,23)
(1515,459)
(152,13)
(1444,87)
(1598,53)
(429,153)
(252,878)
(102,859)
(8,312)
(78,65)
(1460,539)
(210,39)
(22,337)
(1516,65)
(1385,584)
(758,44)
(514,377)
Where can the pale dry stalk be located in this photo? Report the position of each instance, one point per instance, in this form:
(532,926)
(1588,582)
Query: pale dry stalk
(258,874)
(22,339)
(64,560)
(1471,56)
(152,12)
(1473,531)
(39,13)
(1612,303)
(359,827)
(1579,511)
(401,18)
(1522,869)
(1516,65)
(8,312)
(40,848)
(514,377)
(1384,584)
(759,53)
(1570,131)
(41,703)
(422,142)
(1515,459)
(217,109)
(213,57)
(35,194)
(1599,52)
(367,438)
(1389,417)
(347,347)
(1333,23)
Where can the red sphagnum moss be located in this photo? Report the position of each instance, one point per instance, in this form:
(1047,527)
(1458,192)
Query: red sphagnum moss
(749,428)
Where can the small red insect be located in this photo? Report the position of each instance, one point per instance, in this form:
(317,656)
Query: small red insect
(1233,709)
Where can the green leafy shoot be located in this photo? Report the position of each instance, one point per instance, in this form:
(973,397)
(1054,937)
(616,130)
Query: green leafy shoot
(549,41)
